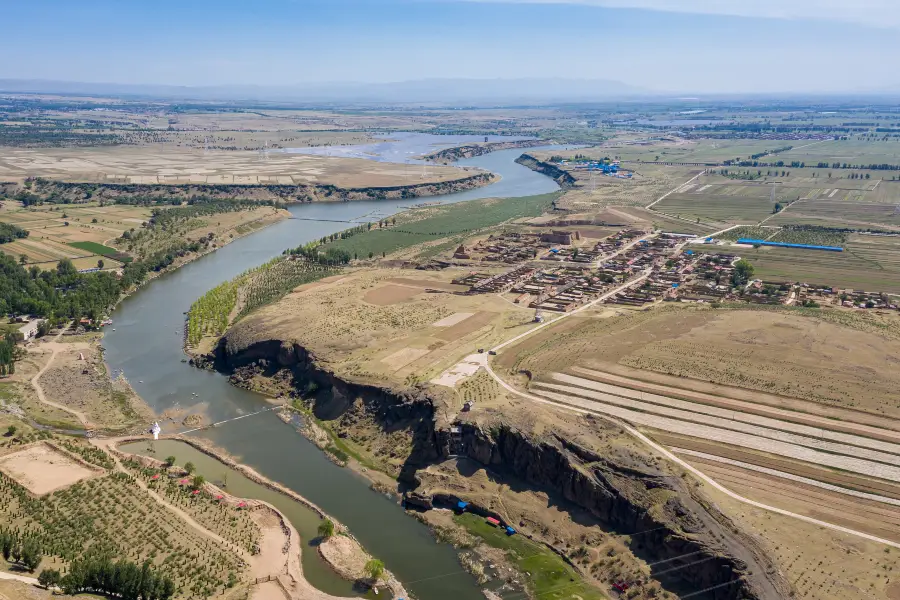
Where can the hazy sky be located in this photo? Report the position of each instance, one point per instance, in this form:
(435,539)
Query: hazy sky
(671,45)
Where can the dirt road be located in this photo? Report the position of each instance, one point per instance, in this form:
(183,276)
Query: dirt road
(55,347)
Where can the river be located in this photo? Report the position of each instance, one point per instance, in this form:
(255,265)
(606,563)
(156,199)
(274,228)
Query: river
(146,345)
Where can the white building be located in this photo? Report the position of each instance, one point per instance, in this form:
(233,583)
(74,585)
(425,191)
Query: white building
(29,330)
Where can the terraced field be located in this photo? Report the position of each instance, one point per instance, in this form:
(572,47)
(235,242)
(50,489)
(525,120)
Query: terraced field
(816,445)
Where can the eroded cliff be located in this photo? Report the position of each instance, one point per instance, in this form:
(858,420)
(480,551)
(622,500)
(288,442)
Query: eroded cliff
(696,546)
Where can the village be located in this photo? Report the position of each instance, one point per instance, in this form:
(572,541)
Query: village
(562,270)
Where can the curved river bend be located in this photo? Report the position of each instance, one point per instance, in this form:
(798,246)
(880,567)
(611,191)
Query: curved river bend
(146,345)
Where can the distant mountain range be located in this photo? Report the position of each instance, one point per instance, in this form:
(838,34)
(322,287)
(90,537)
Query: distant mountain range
(448,91)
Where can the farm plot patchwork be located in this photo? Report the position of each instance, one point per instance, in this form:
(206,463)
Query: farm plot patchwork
(51,240)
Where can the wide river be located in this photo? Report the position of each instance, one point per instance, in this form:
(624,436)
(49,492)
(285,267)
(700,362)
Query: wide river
(146,345)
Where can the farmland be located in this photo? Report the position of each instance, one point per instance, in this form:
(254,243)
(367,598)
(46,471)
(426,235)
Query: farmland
(87,233)
(74,232)
(728,205)
(120,519)
(430,224)
(149,165)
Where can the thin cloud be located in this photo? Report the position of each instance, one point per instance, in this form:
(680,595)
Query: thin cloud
(873,13)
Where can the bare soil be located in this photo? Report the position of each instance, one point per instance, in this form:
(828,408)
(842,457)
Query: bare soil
(43,469)
(390,294)
(345,556)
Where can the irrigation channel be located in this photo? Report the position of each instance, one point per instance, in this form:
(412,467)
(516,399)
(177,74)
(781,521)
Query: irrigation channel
(146,345)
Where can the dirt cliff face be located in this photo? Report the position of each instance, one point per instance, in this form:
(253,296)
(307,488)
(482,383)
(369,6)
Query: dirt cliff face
(692,542)
(560,176)
(696,546)
(75,192)
(472,150)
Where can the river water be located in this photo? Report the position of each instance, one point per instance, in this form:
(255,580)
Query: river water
(146,345)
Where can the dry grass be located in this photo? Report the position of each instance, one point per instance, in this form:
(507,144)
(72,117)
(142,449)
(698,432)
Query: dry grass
(838,365)
(341,323)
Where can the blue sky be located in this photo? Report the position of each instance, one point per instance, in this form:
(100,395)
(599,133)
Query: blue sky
(672,45)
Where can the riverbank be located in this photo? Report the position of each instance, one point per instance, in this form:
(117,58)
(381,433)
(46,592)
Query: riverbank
(288,193)
(351,551)
(451,155)
(147,349)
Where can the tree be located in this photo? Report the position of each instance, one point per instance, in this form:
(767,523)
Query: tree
(189,467)
(374,569)
(198,482)
(31,554)
(23,259)
(49,578)
(11,430)
(743,271)
(326,529)
(100,264)
(170,460)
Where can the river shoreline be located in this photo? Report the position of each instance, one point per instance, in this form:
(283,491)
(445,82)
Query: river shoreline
(144,347)
(225,458)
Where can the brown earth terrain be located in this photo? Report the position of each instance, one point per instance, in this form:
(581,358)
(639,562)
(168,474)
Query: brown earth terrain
(43,469)
(838,366)
(148,165)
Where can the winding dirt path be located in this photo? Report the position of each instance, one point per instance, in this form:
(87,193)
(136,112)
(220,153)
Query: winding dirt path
(55,347)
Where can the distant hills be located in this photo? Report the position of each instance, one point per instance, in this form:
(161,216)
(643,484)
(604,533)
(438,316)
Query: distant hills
(449,91)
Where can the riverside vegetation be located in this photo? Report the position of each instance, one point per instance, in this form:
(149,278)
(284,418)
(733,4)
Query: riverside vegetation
(228,302)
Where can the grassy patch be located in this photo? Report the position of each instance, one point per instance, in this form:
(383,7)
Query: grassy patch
(549,575)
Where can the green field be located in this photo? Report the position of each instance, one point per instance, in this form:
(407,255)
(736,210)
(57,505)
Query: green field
(95,248)
(431,224)
(748,231)
(815,236)
(550,576)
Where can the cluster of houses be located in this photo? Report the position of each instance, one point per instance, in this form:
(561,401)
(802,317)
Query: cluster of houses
(675,274)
